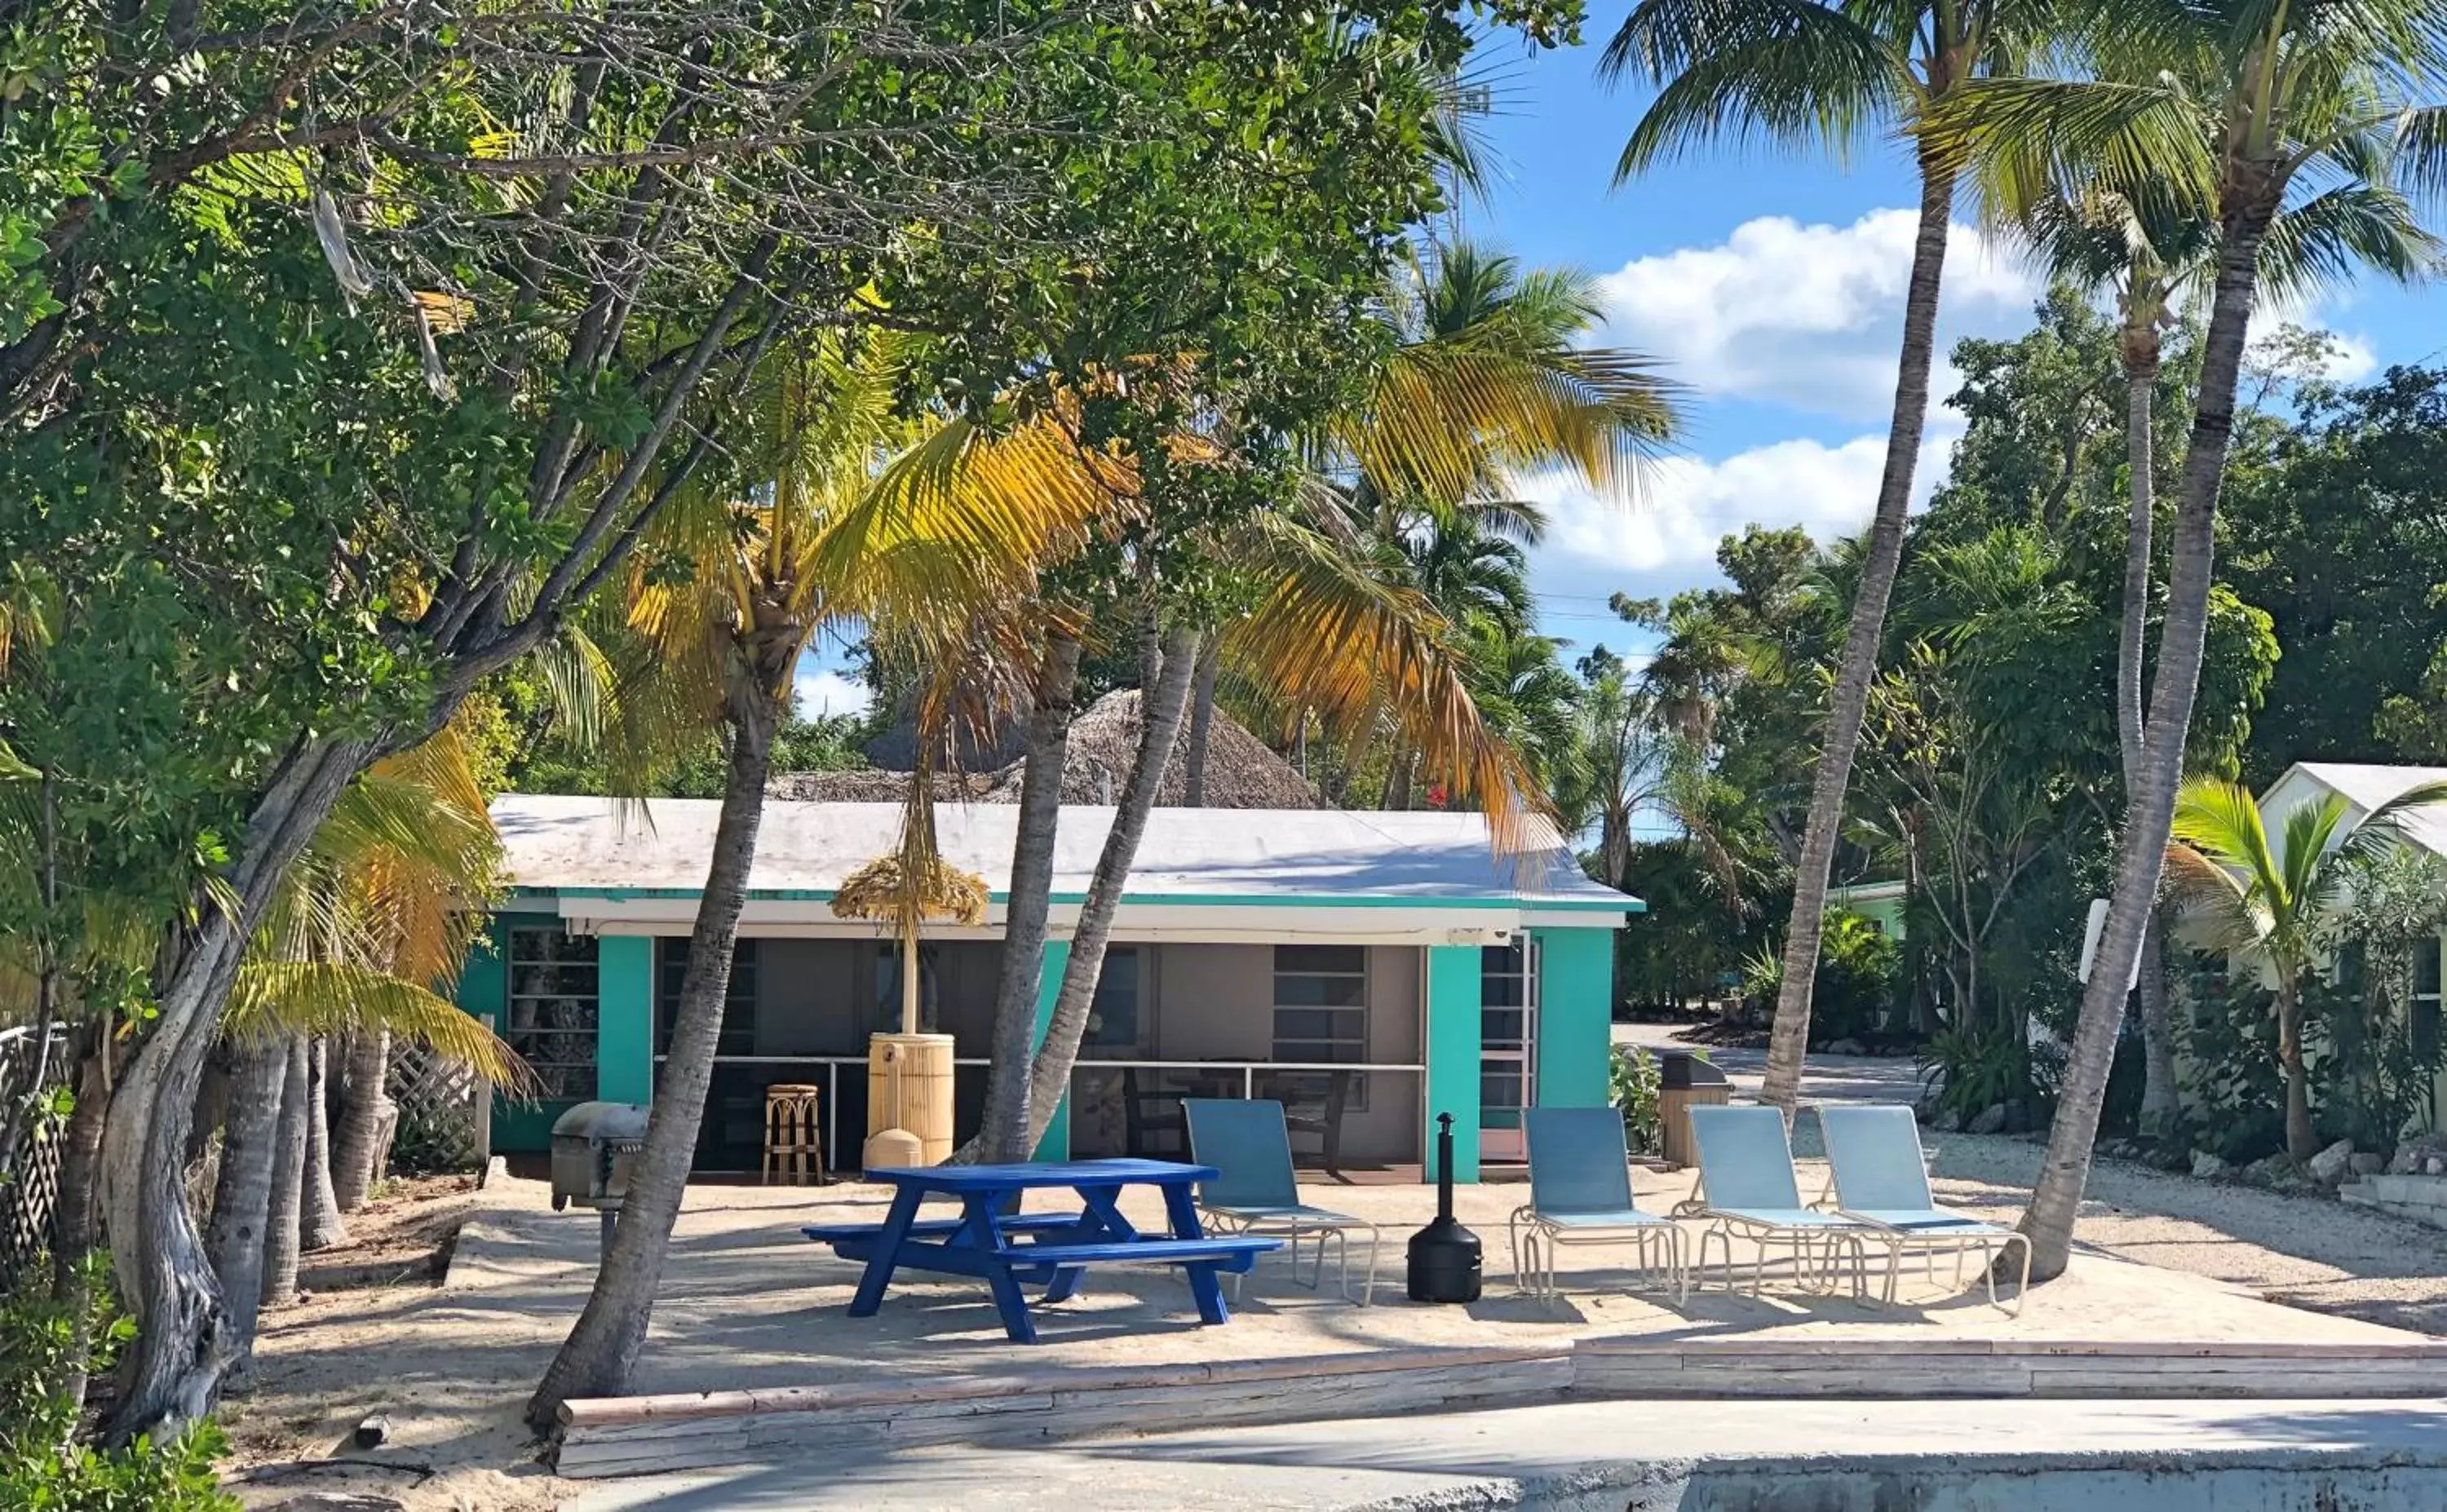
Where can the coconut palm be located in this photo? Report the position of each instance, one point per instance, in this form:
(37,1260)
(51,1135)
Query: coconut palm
(1625,752)
(1826,74)
(2266,903)
(2149,251)
(2240,110)
(815,524)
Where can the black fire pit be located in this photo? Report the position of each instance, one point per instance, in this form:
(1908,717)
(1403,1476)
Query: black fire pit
(1444,1255)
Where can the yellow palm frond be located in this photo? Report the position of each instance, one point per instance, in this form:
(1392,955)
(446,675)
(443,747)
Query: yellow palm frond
(275,998)
(1330,639)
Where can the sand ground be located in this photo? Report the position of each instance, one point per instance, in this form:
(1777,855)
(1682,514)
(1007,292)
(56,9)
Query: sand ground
(747,1301)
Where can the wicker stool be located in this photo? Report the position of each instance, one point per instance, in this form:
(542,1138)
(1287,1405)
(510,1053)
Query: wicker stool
(792,1145)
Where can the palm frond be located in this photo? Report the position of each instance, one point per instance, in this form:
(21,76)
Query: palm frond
(277,998)
(1789,73)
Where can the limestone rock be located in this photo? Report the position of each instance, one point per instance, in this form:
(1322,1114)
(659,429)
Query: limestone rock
(1844,1046)
(2366,1163)
(1948,1120)
(2329,1166)
(1991,1120)
(2208,1164)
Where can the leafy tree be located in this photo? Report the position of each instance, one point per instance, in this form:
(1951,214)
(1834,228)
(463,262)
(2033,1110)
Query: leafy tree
(2236,111)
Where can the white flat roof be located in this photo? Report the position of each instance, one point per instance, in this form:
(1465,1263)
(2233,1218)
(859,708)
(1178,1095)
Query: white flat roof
(1315,858)
(2369,787)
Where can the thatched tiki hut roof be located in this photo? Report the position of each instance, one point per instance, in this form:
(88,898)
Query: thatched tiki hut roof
(1242,771)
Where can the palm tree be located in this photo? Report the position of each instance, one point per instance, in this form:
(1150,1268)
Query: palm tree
(2239,109)
(1803,71)
(1625,755)
(810,528)
(2149,251)
(2266,903)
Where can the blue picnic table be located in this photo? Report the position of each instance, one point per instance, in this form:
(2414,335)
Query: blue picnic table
(992,1240)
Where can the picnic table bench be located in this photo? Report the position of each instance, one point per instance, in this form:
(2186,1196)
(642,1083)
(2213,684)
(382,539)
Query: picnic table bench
(1006,1248)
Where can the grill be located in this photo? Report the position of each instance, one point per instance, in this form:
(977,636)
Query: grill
(595,1149)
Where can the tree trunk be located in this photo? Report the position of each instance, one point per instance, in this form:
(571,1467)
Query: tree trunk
(1790,1037)
(319,1224)
(165,1277)
(2161,1102)
(1159,726)
(75,1226)
(1201,725)
(2141,851)
(2300,1143)
(357,1153)
(287,1206)
(1002,1132)
(242,1196)
(601,1351)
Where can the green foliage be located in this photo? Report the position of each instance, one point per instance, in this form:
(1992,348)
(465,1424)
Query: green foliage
(1636,1083)
(1633,1081)
(42,1467)
(1856,978)
(1972,1069)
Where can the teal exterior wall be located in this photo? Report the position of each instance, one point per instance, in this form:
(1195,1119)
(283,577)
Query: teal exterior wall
(1055,1145)
(1452,1046)
(624,1033)
(1575,1015)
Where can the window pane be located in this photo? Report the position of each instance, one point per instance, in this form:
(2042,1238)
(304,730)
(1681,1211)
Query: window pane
(1347,959)
(2425,969)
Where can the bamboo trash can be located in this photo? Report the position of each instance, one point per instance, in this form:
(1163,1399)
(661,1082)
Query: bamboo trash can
(909,1087)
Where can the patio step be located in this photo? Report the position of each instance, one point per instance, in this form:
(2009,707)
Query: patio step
(629,1435)
(1648,1367)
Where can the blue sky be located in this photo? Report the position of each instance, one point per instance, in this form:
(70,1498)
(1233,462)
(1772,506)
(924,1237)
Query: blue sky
(1772,288)
(1772,285)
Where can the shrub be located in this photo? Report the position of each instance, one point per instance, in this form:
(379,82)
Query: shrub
(1857,968)
(1972,1069)
(41,1344)
(1633,1082)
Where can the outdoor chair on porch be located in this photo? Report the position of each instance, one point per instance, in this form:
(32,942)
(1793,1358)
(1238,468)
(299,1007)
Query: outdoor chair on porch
(1747,1187)
(1580,1193)
(1257,1192)
(1882,1180)
(1324,1118)
(1149,1113)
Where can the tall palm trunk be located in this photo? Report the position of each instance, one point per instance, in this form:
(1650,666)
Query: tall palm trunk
(1002,1133)
(319,1224)
(360,1144)
(2301,1143)
(2161,1104)
(1789,1038)
(1160,716)
(601,1351)
(242,1196)
(1201,723)
(2150,815)
(280,1236)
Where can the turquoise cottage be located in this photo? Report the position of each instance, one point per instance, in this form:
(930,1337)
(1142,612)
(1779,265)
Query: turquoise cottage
(1371,969)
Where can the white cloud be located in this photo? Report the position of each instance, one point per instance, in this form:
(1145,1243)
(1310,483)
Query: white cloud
(1666,538)
(1810,317)
(829,692)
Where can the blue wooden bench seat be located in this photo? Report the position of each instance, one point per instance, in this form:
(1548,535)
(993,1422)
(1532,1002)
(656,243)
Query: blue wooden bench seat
(1233,1255)
(938,1227)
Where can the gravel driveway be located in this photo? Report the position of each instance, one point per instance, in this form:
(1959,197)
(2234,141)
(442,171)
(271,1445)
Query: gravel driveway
(2306,1250)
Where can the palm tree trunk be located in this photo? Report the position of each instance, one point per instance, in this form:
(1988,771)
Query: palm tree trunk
(1002,1132)
(242,1196)
(75,1214)
(165,1275)
(281,1223)
(2161,1102)
(1201,723)
(1790,1037)
(1159,726)
(366,1110)
(601,1351)
(2149,812)
(319,1224)
(2301,1143)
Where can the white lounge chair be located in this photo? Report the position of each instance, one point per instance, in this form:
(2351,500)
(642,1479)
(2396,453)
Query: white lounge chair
(1580,1193)
(1747,1187)
(1881,1180)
